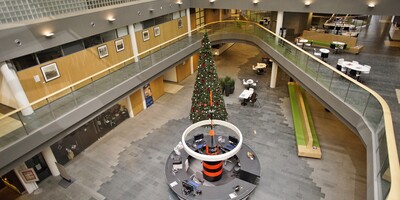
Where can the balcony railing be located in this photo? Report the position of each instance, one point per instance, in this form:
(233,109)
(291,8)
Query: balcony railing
(366,102)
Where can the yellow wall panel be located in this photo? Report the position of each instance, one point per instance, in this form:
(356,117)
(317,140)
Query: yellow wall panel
(168,31)
(73,68)
(183,70)
(137,102)
(157,87)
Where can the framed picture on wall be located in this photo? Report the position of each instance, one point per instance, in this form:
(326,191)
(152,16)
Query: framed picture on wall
(119,45)
(103,51)
(50,72)
(180,25)
(146,35)
(156,31)
(29,175)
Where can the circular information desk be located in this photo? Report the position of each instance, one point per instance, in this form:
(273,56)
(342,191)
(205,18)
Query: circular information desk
(239,179)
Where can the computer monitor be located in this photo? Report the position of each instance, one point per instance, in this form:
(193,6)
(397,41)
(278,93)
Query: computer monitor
(198,137)
(233,140)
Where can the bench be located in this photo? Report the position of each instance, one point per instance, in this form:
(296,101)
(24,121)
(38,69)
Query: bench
(306,137)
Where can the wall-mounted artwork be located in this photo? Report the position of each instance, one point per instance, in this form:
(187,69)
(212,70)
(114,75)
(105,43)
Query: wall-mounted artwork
(50,72)
(29,175)
(119,45)
(157,31)
(103,51)
(146,35)
(180,25)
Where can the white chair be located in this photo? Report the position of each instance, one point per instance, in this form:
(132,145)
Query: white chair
(344,69)
(316,53)
(251,90)
(369,69)
(246,85)
(340,61)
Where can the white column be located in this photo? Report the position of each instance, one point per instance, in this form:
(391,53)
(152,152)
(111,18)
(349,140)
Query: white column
(143,98)
(131,31)
(191,65)
(16,88)
(188,22)
(274,74)
(50,161)
(129,105)
(279,22)
(29,187)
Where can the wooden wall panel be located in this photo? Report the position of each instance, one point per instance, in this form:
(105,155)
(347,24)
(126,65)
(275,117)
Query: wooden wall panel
(211,15)
(193,21)
(183,70)
(137,102)
(157,87)
(168,31)
(195,61)
(72,68)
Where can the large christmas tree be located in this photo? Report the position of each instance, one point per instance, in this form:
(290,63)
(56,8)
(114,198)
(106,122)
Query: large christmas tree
(207,81)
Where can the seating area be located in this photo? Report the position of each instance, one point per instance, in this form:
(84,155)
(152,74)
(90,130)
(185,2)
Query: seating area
(306,136)
(353,68)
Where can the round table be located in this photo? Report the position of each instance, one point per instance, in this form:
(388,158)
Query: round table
(303,40)
(249,81)
(355,66)
(322,50)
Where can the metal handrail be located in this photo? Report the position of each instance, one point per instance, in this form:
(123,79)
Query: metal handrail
(394,192)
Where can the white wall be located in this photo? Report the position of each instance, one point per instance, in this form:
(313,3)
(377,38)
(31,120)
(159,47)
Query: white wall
(6,97)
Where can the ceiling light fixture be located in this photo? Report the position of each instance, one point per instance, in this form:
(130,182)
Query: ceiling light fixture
(255,2)
(48,34)
(212,1)
(371,5)
(307,3)
(111,19)
(179,3)
(151,9)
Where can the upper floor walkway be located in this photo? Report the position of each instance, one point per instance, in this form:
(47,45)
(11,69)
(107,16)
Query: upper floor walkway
(361,108)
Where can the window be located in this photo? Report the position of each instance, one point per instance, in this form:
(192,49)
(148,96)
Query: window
(49,54)
(109,35)
(92,41)
(122,31)
(25,62)
(72,47)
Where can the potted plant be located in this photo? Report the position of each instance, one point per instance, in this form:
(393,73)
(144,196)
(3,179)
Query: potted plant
(222,84)
(229,85)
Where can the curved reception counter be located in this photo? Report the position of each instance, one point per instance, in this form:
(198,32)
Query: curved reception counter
(184,174)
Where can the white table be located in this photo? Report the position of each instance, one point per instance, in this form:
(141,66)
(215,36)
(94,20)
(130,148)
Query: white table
(250,81)
(355,66)
(245,95)
(303,42)
(260,66)
(324,53)
(322,50)
(338,43)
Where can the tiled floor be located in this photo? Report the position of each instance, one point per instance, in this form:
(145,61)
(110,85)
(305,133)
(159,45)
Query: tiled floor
(128,163)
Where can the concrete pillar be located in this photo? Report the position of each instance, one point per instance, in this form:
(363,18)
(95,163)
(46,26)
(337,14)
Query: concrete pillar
(29,187)
(279,22)
(309,20)
(16,89)
(50,161)
(129,106)
(131,31)
(188,22)
(274,74)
